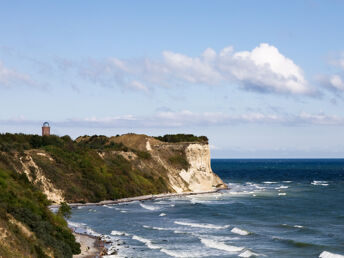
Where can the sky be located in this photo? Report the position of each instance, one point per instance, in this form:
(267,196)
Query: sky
(261,79)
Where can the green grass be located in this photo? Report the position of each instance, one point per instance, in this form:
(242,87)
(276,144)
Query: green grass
(27,204)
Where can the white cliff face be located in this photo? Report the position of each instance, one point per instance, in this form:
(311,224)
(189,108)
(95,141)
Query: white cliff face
(200,176)
(46,186)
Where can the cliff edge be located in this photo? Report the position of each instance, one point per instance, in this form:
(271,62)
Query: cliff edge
(96,168)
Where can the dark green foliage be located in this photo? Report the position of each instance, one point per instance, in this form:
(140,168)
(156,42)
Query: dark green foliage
(182,138)
(179,161)
(64,210)
(28,205)
(90,169)
(20,142)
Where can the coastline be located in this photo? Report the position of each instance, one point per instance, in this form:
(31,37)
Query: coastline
(95,246)
(138,198)
(91,246)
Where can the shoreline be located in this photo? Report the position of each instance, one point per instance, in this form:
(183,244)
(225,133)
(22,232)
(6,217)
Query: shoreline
(94,246)
(138,198)
(90,246)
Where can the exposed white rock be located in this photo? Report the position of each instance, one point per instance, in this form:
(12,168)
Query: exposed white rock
(46,186)
(148,146)
(200,176)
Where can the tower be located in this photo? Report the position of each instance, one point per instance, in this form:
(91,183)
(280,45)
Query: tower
(45,129)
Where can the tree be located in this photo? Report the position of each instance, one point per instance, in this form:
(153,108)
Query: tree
(65,210)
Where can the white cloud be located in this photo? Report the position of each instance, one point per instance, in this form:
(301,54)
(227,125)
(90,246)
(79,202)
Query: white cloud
(264,69)
(10,78)
(186,119)
(334,82)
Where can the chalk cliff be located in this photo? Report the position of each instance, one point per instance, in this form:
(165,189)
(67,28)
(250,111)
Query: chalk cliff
(96,168)
(192,175)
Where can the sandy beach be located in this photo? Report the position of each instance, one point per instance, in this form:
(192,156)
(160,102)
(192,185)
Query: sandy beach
(90,246)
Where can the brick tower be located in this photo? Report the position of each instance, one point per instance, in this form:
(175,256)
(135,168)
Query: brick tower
(45,129)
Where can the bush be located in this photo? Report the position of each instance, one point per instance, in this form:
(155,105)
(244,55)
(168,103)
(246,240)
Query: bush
(182,138)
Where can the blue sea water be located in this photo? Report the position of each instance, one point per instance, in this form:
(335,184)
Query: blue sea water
(274,208)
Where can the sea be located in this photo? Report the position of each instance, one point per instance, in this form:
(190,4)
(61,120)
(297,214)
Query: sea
(273,208)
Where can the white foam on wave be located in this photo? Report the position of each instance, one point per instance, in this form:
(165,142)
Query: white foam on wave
(197,225)
(282,194)
(156,228)
(298,226)
(108,206)
(287,182)
(239,231)
(149,207)
(162,214)
(183,254)
(269,182)
(323,183)
(123,211)
(326,254)
(282,187)
(248,253)
(146,241)
(119,233)
(82,228)
(221,246)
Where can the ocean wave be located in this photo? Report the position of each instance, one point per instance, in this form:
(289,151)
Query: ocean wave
(239,231)
(292,226)
(221,246)
(298,226)
(197,225)
(182,254)
(288,182)
(156,228)
(323,183)
(248,253)
(123,211)
(149,207)
(282,194)
(108,206)
(269,182)
(326,254)
(295,243)
(82,228)
(162,214)
(146,241)
(119,233)
(282,187)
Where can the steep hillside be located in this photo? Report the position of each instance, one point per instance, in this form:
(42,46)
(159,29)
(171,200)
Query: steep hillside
(36,171)
(27,227)
(95,168)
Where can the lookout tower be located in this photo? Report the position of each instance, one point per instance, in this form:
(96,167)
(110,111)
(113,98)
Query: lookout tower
(45,129)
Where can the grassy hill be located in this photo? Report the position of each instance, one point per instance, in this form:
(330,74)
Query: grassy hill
(88,169)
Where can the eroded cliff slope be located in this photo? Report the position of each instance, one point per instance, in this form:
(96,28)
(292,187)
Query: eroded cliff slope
(95,168)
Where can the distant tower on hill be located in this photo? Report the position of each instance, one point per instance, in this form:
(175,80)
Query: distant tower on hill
(45,129)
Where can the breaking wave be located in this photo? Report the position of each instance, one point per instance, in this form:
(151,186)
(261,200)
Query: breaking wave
(146,241)
(197,225)
(326,254)
(119,233)
(240,231)
(221,246)
(149,207)
(323,183)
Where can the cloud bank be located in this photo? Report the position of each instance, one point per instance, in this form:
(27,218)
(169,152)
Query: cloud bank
(334,82)
(184,119)
(263,69)
(11,78)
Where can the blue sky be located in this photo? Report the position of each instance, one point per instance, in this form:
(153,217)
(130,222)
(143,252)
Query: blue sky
(259,78)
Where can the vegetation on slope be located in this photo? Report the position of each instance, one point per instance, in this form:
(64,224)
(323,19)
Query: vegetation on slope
(89,169)
(28,228)
(94,166)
